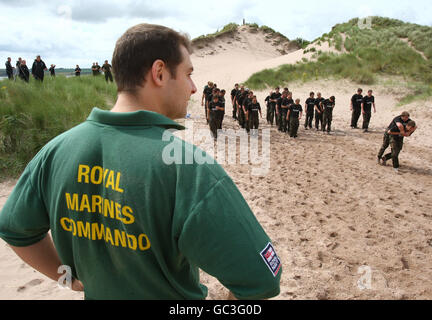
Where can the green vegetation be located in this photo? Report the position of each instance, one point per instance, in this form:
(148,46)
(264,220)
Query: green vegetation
(381,50)
(33,114)
(228,29)
(231,28)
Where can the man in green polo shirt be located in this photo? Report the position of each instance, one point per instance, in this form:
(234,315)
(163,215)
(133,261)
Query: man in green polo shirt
(127,221)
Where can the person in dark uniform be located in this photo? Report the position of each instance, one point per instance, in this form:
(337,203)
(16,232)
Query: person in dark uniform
(24,71)
(356,106)
(52,70)
(246,103)
(295,112)
(267,103)
(38,69)
(222,101)
(98,69)
(207,92)
(318,111)
(215,112)
(368,103)
(9,68)
(400,127)
(309,107)
(233,95)
(77,71)
(241,96)
(274,99)
(328,106)
(286,102)
(93,68)
(106,68)
(253,114)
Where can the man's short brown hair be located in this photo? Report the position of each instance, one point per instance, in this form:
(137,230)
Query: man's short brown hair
(139,47)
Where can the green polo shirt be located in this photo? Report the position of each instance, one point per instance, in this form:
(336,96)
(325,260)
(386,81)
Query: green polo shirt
(133,225)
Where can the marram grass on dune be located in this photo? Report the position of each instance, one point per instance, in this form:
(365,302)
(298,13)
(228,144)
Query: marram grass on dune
(31,114)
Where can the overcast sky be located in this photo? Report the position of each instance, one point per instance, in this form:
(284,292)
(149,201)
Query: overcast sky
(71,32)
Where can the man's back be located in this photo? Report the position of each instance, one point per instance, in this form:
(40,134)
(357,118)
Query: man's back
(129,225)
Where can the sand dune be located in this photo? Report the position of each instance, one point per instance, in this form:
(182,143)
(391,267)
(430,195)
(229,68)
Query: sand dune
(333,214)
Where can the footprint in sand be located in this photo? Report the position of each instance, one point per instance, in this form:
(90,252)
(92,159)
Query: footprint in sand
(33,283)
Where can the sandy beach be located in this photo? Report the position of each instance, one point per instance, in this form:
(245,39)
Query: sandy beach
(334,215)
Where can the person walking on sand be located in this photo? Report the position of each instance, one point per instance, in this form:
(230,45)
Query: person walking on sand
(253,114)
(318,111)
(38,69)
(233,95)
(295,112)
(310,108)
(274,99)
(207,92)
(328,106)
(356,108)
(366,108)
(129,220)
(400,127)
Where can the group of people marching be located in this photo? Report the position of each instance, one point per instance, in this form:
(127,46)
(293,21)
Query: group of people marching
(286,113)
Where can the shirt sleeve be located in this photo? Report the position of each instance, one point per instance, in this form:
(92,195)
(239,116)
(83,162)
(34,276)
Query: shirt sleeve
(222,237)
(24,219)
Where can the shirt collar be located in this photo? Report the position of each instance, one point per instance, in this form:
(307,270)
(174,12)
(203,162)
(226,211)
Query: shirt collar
(137,118)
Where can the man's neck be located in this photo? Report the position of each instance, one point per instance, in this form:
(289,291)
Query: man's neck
(130,103)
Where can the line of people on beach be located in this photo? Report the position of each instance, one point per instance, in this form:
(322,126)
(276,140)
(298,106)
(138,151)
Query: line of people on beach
(286,113)
(21,70)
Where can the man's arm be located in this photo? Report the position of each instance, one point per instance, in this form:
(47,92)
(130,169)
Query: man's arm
(42,256)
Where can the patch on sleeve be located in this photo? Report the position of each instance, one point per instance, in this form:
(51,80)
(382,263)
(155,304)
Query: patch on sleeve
(271,259)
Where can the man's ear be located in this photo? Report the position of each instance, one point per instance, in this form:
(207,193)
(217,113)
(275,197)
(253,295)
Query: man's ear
(158,72)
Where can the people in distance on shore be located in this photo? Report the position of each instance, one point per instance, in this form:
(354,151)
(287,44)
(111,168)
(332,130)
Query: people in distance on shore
(24,71)
(38,69)
(367,104)
(52,70)
(106,68)
(77,71)
(400,127)
(9,68)
(356,108)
